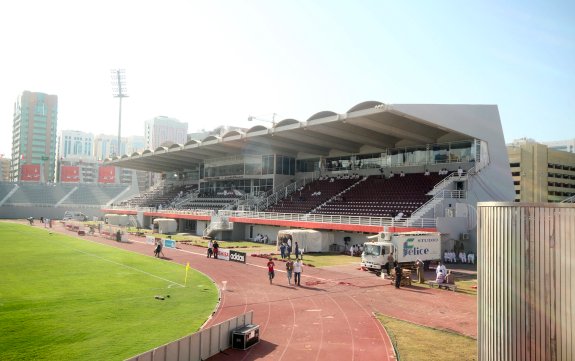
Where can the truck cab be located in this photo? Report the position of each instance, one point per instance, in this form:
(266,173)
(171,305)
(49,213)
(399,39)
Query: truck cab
(374,255)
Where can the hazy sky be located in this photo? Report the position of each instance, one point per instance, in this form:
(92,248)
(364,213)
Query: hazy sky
(215,62)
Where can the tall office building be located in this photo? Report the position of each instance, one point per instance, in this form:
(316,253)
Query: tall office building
(540,173)
(4,169)
(135,143)
(161,130)
(76,145)
(34,137)
(106,146)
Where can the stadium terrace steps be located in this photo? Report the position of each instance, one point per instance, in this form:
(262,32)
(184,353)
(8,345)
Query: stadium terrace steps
(53,194)
(375,196)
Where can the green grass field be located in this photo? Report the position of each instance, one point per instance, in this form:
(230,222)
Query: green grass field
(63,298)
(415,342)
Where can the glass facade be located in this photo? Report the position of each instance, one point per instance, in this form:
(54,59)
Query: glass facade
(454,152)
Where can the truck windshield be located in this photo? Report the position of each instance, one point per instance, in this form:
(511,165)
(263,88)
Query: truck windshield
(372,250)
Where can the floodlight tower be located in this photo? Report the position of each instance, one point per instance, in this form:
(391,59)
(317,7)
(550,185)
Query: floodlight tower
(119,91)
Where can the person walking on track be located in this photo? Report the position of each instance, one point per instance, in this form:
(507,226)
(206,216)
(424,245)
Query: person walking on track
(271,274)
(297,270)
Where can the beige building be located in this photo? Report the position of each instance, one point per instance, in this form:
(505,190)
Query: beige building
(4,169)
(541,174)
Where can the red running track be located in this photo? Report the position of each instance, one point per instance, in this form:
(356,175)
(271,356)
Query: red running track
(330,317)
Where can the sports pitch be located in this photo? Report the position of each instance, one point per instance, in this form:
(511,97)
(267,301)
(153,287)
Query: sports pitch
(63,298)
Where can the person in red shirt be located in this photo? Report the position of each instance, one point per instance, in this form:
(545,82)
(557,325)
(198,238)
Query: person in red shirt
(271,270)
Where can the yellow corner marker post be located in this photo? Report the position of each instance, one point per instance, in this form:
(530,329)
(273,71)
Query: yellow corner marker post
(187,268)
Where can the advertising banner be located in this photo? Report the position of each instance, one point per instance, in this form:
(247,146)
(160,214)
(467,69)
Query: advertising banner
(151,240)
(30,173)
(169,243)
(236,256)
(69,174)
(107,174)
(224,253)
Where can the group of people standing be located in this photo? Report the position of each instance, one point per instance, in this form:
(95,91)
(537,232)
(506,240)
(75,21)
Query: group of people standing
(213,248)
(294,268)
(286,248)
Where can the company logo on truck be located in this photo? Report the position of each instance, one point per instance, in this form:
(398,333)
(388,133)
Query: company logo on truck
(411,250)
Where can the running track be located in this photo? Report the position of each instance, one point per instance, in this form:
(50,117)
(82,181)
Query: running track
(330,317)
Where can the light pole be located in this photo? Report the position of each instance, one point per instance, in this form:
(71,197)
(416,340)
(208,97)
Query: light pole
(119,91)
(273,121)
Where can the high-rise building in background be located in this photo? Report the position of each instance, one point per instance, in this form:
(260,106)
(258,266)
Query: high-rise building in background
(4,169)
(34,137)
(163,130)
(540,173)
(135,143)
(563,145)
(106,146)
(74,144)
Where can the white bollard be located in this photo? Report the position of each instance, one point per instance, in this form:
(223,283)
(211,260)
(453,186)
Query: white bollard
(224,283)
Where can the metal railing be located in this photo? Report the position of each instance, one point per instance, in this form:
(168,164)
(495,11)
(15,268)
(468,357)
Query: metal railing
(283,192)
(200,345)
(334,219)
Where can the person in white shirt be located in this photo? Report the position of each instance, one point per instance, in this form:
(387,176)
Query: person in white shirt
(441,268)
(459,172)
(297,270)
(210,248)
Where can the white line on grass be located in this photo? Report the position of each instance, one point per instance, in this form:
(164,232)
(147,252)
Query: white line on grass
(130,267)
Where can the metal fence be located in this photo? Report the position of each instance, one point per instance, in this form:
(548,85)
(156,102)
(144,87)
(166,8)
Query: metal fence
(526,281)
(200,345)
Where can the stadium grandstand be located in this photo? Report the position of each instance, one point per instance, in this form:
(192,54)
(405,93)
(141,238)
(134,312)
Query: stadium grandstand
(406,166)
(52,200)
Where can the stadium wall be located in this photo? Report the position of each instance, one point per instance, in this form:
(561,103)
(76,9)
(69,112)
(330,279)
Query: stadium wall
(21,212)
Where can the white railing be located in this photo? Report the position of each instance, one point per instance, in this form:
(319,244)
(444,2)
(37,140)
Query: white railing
(447,181)
(334,219)
(283,192)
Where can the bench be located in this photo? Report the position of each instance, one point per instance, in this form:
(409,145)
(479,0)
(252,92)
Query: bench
(449,286)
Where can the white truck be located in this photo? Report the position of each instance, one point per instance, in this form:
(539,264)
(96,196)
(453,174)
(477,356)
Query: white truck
(407,247)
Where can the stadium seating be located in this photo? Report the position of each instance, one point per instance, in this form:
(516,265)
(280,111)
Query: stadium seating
(5,189)
(212,201)
(312,195)
(160,196)
(93,194)
(383,197)
(374,196)
(58,193)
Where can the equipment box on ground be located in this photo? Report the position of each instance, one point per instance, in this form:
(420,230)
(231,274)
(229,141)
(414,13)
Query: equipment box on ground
(245,337)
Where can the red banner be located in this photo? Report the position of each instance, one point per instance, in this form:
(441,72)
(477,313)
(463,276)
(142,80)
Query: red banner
(69,174)
(30,173)
(107,174)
